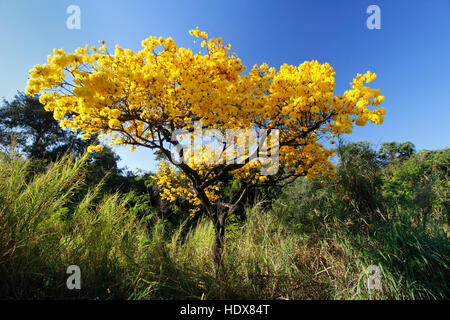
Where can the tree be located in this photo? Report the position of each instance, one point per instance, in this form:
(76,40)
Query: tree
(391,151)
(34,130)
(358,181)
(38,135)
(151,97)
(421,182)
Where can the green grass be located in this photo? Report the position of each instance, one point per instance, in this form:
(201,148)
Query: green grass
(308,246)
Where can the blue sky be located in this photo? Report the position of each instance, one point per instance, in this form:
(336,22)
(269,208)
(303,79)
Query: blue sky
(410,53)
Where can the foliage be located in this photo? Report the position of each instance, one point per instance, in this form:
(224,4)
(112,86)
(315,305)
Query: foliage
(358,179)
(40,237)
(145,98)
(35,131)
(25,125)
(391,151)
(310,245)
(421,182)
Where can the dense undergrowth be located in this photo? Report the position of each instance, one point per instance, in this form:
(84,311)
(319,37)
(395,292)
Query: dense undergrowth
(314,241)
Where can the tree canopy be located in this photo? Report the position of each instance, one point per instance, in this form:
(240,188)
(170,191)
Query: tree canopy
(394,150)
(34,131)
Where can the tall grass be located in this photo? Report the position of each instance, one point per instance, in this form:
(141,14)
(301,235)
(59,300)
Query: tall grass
(41,236)
(412,253)
(308,246)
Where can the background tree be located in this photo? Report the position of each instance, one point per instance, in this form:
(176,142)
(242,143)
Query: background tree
(391,151)
(144,98)
(358,179)
(421,182)
(24,122)
(34,130)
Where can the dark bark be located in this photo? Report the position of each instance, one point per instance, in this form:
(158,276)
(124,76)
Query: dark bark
(219,237)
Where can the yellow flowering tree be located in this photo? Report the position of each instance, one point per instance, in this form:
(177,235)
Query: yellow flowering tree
(143,98)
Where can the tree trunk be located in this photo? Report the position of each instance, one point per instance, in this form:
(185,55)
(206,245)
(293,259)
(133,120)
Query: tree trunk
(217,217)
(219,236)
